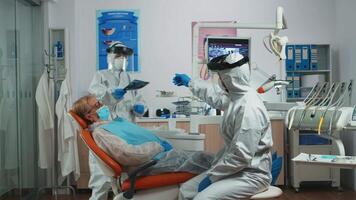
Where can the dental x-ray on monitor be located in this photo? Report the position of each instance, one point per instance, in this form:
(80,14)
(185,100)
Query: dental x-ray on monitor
(217,46)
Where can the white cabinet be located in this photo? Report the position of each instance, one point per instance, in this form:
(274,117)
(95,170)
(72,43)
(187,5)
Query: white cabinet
(304,173)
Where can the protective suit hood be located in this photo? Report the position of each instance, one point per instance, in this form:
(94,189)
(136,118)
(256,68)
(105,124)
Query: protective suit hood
(237,79)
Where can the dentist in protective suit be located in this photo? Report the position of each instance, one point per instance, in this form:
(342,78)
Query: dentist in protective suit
(242,168)
(107,86)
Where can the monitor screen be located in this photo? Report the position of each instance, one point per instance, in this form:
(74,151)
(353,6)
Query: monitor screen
(221,46)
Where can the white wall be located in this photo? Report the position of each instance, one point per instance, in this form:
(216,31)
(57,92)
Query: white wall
(165,34)
(61,14)
(345,37)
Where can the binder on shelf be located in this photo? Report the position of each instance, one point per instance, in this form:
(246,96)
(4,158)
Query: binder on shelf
(313,57)
(290,60)
(290,93)
(298,57)
(296,93)
(290,79)
(296,81)
(305,57)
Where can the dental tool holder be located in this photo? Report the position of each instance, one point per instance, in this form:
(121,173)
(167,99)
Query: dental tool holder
(312,115)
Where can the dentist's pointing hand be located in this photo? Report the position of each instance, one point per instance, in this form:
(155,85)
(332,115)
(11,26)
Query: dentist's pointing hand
(181,79)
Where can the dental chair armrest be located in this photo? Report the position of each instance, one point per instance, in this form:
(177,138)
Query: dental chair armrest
(133,175)
(141,168)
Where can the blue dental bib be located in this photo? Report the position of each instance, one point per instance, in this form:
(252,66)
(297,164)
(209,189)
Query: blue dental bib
(135,135)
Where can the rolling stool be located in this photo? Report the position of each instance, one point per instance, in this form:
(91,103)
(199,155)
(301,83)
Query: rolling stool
(272,192)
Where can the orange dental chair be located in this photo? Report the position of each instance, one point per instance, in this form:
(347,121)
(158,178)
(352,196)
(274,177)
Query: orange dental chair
(162,186)
(134,183)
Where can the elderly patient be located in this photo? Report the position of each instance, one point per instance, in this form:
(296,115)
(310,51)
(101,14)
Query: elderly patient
(132,145)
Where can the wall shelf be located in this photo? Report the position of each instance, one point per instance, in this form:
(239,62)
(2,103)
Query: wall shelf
(310,72)
(306,65)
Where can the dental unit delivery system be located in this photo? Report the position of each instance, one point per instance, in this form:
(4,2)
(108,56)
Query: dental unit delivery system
(315,126)
(322,109)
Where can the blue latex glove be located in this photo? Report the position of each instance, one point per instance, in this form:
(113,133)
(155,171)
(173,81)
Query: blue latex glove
(119,93)
(139,109)
(204,184)
(167,147)
(181,79)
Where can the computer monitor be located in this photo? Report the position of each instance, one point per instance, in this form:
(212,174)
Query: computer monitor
(217,46)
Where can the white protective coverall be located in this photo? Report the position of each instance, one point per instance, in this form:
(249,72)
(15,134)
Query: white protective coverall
(103,84)
(242,167)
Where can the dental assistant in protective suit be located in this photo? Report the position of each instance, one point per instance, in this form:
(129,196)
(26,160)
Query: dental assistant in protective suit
(107,86)
(242,168)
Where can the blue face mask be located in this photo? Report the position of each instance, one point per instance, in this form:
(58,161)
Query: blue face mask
(103,113)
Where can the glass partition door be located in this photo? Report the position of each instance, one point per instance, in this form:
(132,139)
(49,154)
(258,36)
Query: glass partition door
(9,158)
(20,68)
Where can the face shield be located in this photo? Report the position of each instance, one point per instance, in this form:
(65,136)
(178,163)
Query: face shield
(119,57)
(228,61)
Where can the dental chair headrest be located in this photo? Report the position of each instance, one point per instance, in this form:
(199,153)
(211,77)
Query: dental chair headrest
(79,120)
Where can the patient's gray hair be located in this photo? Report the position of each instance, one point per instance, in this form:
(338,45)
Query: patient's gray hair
(81,107)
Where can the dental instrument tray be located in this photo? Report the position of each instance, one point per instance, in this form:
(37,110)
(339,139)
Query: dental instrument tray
(135,85)
(326,160)
(181,103)
(163,93)
(183,106)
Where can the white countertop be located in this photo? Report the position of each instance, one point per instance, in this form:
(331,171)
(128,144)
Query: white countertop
(187,119)
(158,119)
(183,136)
(350,128)
(273,117)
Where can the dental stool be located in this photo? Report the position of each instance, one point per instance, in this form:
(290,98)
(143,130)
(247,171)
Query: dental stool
(162,186)
(271,192)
